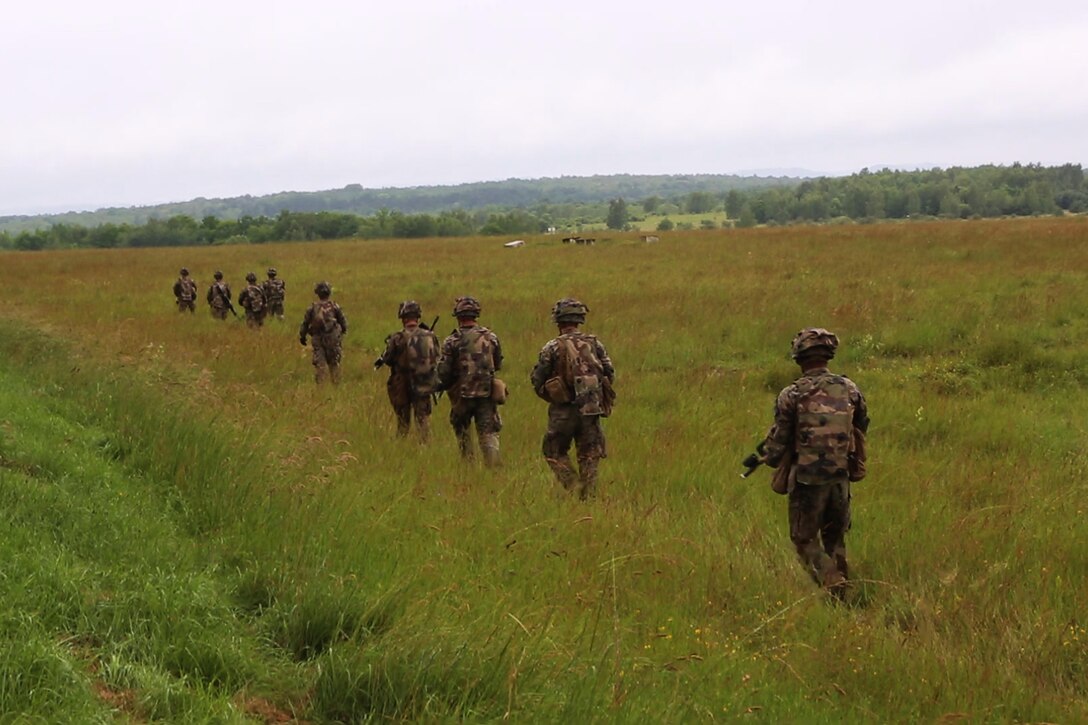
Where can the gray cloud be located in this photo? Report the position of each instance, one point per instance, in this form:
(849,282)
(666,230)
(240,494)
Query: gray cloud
(119,103)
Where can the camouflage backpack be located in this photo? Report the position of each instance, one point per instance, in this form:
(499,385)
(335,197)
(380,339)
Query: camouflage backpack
(274,290)
(825,425)
(323,319)
(187,287)
(582,373)
(420,359)
(475,363)
(255,299)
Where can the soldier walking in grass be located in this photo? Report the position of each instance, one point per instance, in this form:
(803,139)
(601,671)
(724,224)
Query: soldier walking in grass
(412,357)
(275,291)
(817,443)
(325,324)
(574,374)
(185,292)
(219,297)
(252,301)
(467,364)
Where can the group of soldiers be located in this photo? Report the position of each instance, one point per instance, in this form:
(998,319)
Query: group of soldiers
(258,301)
(573,373)
(816,443)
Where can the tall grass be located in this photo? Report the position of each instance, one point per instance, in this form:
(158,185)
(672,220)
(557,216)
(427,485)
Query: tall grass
(407,585)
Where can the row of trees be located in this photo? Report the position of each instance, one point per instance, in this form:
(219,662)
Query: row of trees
(987,191)
(182,230)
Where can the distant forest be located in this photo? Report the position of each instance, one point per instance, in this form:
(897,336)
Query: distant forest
(566,204)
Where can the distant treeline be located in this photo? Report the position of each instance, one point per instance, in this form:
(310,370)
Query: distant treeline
(956,193)
(564,192)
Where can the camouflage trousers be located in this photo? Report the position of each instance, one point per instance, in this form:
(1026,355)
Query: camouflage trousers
(420,405)
(186,306)
(275,309)
(565,426)
(326,357)
(219,313)
(819,520)
(254,320)
(488,424)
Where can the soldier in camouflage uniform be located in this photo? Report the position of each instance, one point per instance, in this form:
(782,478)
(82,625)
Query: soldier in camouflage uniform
(185,292)
(818,433)
(275,291)
(412,356)
(252,300)
(219,297)
(575,375)
(467,364)
(326,325)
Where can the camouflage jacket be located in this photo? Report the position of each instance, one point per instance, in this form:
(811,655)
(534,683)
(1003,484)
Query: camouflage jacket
(814,419)
(252,299)
(341,321)
(469,359)
(185,289)
(545,367)
(274,290)
(218,293)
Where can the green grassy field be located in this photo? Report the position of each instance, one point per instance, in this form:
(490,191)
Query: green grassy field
(198,533)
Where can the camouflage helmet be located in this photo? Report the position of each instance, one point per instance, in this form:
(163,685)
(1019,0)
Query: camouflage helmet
(466,307)
(322,289)
(814,342)
(218,274)
(251,277)
(271,271)
(409,309)
(184,272)
(569,309)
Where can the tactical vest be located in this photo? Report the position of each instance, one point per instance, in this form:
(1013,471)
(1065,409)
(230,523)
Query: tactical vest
(187,288)
(323,319)
(475,363)
(824,434)
(274,290)
(254,298)
(419,359)
(581,370)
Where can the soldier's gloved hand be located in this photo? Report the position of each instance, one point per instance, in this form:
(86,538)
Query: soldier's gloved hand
(378,363)
(302,341)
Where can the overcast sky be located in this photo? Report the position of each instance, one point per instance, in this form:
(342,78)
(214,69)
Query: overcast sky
(121,103)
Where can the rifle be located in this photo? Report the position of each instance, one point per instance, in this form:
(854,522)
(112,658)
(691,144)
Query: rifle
(433,324)
(226,298)
(753,461)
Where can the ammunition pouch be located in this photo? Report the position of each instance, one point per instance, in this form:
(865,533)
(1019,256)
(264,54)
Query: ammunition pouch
(498,391)
(556,391)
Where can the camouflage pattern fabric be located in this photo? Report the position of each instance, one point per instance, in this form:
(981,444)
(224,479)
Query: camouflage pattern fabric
(485,414)
(467,364)
(814,420)
(252,300)
(185,294)
(565,426)
(819,519)
(568,422)
(409,391)
(275,291)
(327,349)
(814,417)
(555,360)
(218,293)
(469,359)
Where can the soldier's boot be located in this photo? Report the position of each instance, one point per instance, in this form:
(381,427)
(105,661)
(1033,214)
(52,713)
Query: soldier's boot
(563,471)
(423,424)
(588,475)
(320,373)
(334,373)
(489,445)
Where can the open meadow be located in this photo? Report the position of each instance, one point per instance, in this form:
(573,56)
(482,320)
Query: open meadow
(197,532)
